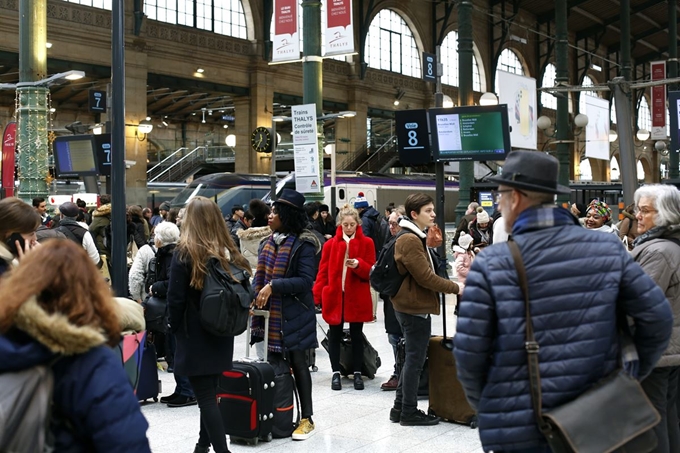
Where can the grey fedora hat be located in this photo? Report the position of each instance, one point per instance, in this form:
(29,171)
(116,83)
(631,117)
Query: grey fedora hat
(531,170)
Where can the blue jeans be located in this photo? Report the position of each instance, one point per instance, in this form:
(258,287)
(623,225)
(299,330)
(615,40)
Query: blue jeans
(417,336)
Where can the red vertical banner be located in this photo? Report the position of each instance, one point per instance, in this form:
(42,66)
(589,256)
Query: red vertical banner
(286,41)
(658,71)
(339,30)
(9,145)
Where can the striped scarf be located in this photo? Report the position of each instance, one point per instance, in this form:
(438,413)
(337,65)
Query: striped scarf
(271,264)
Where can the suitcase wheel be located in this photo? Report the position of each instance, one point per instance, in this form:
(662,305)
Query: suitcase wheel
(315,368)
(473,422)
(267,438)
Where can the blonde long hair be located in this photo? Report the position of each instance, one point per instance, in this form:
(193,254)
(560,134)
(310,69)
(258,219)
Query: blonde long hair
(204,235)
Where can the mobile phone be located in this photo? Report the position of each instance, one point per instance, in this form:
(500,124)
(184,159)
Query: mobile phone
(11,243)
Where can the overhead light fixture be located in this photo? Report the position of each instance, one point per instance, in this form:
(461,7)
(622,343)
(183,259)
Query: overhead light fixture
(226,126)
(52,110)
(642,135)
(518,39)
(145,126)
(97,129)
(230,140)
(448,102)
(210,112)
(74,75)
(164,123)
(581,120)
(613,135)
(595,67)
(347,114)
(488,99)
(148,118)
(48,45)
(200,70)
(397,97)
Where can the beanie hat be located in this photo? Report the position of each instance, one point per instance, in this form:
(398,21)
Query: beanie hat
(360,201)
(482,215)
(323,208)
(464,240)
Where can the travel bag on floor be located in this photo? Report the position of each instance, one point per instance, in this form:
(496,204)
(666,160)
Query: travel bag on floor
(246,395)
(149,385)
(371,361)
(447,397)
(284,398)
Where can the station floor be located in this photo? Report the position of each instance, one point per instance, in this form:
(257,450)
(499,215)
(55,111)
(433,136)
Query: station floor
(346,420)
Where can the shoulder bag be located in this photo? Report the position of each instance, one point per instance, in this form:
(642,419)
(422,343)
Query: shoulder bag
(613,415)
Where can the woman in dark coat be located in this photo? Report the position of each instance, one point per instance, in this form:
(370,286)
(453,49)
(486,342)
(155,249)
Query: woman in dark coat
(283,285)
(199,355)
(345,266)
(137,226)
(325,223)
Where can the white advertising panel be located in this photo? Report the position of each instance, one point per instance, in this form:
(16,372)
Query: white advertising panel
(286,43)
(339,29)
(597,130)
(519,93)
(306,148)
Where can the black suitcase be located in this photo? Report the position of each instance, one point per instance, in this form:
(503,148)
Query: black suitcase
(284,403)
(149,386)
(245,396)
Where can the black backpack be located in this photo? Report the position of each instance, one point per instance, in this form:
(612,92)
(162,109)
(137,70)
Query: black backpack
(151,270)
(385,277)
(225,300)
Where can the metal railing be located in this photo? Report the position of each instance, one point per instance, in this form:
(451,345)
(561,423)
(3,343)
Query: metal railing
(153,172)
(382,159)
(191,163)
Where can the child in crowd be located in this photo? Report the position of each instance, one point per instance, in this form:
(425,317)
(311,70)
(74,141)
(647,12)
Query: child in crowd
(463,255)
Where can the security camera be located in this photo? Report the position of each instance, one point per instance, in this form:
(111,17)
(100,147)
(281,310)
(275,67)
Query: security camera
(130,163)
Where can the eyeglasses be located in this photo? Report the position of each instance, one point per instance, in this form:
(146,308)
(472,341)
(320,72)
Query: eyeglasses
(644,210)
(394,224)
(498,194)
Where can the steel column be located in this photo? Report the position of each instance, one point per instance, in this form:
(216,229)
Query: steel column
(466,170)
(562,78)
(312,75)
(674,157)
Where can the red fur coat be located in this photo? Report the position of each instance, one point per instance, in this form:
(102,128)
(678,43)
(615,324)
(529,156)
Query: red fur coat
(358,305)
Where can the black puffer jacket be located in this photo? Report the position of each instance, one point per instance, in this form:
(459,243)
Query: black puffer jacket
(163,261)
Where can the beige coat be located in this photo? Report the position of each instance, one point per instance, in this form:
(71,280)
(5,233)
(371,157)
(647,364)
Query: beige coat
(418,291)
(250,243)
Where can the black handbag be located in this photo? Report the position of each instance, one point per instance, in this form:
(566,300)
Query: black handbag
(154,314)
(613,415)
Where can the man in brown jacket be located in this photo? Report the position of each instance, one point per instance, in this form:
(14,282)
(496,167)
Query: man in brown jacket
(416,300)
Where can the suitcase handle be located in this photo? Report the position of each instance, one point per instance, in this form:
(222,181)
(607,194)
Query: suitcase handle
(265,314)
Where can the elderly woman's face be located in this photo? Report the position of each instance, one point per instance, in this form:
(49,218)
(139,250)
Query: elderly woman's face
(593,219)
(644,213)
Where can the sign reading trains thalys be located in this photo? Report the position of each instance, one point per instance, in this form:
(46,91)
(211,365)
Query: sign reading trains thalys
(413,139)
(306,148)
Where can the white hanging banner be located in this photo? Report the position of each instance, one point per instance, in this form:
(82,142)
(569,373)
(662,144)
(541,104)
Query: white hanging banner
(519,93)
(286,41)
(597,130)
(658,71)
(306,148)
(339,29)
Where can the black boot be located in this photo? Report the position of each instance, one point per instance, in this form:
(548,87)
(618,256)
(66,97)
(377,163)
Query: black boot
(358,382)
(199,449)
(336,383)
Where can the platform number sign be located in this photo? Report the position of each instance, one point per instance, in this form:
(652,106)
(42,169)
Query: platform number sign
(97,101)
(413,138)
(429,67)
(102,146)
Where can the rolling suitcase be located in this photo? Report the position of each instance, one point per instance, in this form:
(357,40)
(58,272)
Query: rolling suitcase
(148,386)
(447,398)
(245,395)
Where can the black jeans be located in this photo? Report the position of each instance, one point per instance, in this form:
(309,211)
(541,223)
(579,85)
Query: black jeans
(335,338)
(661,386)
(416,338)
(212,429)
(303,381)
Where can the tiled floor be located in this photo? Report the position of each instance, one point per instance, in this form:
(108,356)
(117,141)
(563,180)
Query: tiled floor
(346,421)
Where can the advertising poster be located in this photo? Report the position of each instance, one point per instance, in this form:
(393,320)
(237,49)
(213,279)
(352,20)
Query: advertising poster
(658,70)
(306,148)
(339,30)
(519,93)
(597,130)
(286,42)
(9,144)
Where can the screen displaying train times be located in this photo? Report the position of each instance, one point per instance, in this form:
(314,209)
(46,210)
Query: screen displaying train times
(74,156)
(470,133)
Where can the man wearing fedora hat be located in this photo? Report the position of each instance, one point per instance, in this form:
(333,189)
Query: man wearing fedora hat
(577,280)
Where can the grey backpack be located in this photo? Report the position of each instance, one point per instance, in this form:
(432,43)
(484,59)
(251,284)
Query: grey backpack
(25,408)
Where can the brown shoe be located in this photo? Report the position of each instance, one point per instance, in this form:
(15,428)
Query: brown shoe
(391,384)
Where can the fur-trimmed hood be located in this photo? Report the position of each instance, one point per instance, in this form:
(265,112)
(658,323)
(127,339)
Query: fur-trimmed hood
(102,210)
(5,254)
(311,237)
(254,233)
(55,332)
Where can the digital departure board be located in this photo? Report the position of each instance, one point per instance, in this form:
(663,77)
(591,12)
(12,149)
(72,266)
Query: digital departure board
(470,133)
(74,156)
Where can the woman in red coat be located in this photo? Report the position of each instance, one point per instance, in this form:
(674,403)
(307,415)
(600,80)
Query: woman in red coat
(346,262)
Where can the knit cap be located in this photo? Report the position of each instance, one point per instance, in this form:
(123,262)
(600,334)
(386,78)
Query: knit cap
(482,216)
(464,240)
(360,201)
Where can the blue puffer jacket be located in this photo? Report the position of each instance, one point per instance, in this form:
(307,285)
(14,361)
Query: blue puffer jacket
(577,278)
(91,389)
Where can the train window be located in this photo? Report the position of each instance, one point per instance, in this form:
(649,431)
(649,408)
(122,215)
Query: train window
(341,194)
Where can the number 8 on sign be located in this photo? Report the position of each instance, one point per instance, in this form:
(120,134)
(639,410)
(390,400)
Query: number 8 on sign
(412,138)
(429,68)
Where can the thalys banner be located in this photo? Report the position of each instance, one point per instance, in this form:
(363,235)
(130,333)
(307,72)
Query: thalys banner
(339,30)
(286,42)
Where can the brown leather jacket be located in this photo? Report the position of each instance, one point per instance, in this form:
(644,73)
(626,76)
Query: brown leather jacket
(418,291)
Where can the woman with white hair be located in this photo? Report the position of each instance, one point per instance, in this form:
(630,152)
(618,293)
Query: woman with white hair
(657,250)
(138,274)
